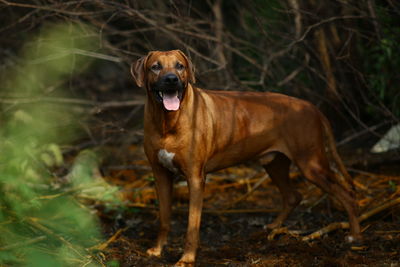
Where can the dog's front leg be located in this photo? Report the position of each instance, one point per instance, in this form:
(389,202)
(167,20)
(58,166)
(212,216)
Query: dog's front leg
(163,179)
(196,190)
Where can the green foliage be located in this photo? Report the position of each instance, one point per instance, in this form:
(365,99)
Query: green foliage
(86,179)
(383,57)
(381,60)
(41,224)
(113,264)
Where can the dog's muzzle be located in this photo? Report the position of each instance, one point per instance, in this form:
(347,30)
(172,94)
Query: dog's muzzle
(169,90)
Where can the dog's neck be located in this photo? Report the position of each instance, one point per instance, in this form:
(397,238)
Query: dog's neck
(164,121)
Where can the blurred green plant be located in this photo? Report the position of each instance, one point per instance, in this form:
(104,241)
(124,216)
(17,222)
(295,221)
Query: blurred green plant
(41,222)
(380,62)
(88,183)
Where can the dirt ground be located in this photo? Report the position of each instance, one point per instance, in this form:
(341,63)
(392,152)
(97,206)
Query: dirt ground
(232,230)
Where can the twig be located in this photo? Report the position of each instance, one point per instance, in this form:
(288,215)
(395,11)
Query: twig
(284,230)
(294,4)
(327,229)
(50,8)
(345,225)
(371,9)
(22,19)
(255,186)
(75,51)
(136,13)
(114,237)
(362,132)
(294,73)
(332,226)
(24,243)
(376,210)
(73,101)
(33,222)
(307,31)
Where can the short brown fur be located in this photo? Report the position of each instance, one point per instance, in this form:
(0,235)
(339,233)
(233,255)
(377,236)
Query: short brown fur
(216,129)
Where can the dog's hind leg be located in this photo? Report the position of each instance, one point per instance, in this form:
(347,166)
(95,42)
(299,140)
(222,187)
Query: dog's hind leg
(316,169)
(278,170)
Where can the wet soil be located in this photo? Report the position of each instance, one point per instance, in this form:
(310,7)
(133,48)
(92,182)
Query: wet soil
(239,240)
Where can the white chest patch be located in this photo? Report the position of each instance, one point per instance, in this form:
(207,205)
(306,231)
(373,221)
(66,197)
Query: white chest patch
(165,158)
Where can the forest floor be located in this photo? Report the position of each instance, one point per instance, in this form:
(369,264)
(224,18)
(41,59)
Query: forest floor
(232,230)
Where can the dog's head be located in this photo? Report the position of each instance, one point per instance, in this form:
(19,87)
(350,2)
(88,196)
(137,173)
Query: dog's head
(165,75)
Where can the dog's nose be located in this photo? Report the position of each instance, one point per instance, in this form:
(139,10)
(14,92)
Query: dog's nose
(171,79)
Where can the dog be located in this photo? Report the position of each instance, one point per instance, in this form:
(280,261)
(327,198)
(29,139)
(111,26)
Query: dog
(191,131)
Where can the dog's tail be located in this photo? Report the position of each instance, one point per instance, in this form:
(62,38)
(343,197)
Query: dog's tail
(343,176)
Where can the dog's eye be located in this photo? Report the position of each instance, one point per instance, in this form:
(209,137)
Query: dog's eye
(156,67)
(179,66)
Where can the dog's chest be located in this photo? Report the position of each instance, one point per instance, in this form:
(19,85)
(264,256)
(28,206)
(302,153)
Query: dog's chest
(165,158)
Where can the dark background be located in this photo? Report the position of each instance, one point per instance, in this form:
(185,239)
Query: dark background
(341,55)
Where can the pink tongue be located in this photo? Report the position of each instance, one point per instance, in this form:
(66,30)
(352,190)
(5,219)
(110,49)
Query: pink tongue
(171,101)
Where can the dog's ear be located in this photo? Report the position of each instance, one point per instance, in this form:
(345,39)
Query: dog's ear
(190,65)
(138,69)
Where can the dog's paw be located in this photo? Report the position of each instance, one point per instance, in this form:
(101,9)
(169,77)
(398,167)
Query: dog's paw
(184,264)
(156,252)
(187,260)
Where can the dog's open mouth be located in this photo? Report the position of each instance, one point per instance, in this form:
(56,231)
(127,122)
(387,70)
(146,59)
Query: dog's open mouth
(170,99)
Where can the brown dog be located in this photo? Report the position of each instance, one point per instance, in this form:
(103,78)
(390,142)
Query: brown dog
(192,132)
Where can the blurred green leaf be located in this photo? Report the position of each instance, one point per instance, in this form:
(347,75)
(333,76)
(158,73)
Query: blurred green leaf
(30,138)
